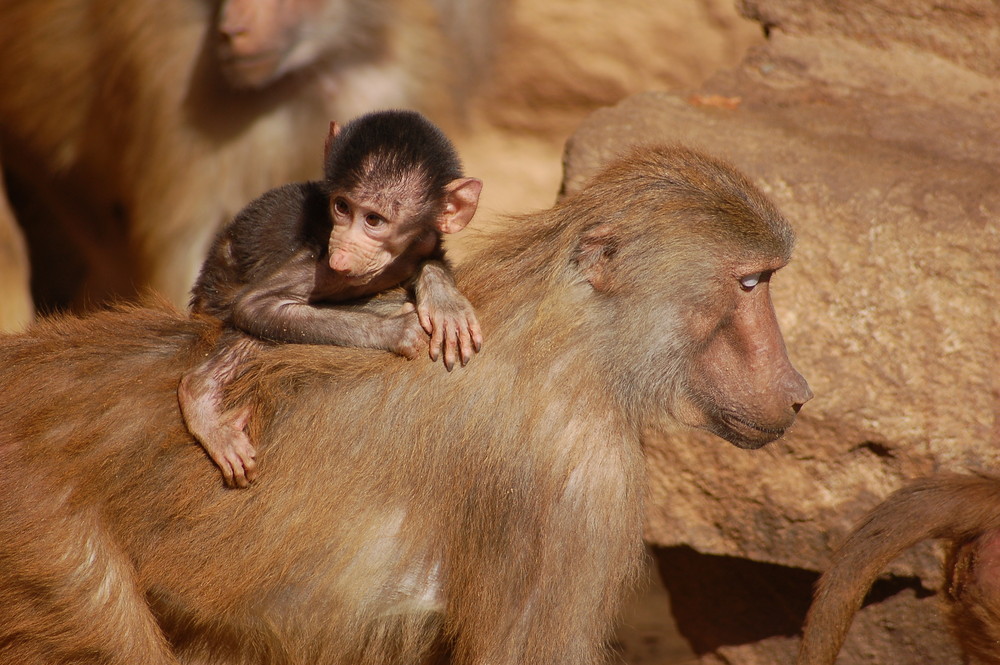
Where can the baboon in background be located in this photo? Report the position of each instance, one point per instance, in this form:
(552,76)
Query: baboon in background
(964,509)
(130,130)
(492,515)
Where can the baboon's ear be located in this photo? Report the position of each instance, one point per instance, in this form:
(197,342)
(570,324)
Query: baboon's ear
(461,198)
(594,254)
(334,132)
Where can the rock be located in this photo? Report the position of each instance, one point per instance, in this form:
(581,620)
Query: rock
(876,133)
(563,57)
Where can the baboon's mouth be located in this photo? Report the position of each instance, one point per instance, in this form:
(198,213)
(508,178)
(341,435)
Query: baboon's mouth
(359,277)
(744,433)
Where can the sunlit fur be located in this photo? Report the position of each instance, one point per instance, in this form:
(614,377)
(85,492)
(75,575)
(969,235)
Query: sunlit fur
(493,514)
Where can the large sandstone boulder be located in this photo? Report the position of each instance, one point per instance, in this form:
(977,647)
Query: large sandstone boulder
(876,130)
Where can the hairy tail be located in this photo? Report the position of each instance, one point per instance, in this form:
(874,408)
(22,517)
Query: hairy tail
(952,506)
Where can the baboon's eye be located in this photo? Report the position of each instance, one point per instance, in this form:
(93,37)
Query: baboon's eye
(748,282)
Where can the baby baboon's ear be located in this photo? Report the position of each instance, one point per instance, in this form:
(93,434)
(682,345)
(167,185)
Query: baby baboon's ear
(461,199)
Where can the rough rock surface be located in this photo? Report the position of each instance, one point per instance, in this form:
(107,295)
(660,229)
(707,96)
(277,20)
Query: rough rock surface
(874,126)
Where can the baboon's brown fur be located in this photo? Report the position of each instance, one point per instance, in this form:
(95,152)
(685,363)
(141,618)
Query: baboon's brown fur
(490,515)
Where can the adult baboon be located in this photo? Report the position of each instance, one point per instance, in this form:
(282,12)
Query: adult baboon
(492,515)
